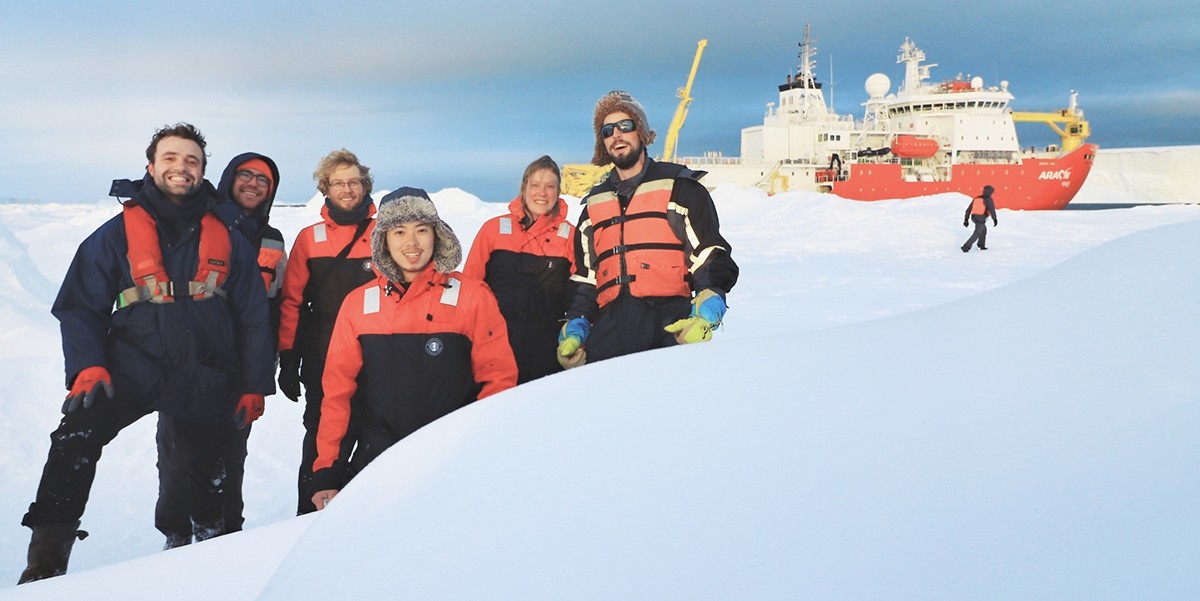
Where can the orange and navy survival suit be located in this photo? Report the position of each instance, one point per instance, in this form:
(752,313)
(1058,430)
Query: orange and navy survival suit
(527,264)
(642,248)
(168,349)
(328,260)
(419,351)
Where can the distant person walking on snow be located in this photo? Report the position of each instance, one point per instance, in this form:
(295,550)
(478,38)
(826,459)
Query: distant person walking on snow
(189,337)
(981,206)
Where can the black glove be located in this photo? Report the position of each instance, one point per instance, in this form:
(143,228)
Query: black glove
(964,223)
(289,374)
(995,223)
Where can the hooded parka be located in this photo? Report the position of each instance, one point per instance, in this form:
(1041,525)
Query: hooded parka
(188,358)
(267,240)
(419,351)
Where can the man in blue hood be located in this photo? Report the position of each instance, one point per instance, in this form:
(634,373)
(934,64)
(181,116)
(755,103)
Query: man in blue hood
(249,181)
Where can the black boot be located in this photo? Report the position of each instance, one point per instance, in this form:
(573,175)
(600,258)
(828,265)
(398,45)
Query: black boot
(49,550)
(177,540)
(213,529)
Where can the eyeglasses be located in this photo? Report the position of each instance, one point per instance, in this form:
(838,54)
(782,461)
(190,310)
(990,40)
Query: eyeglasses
(349,183)
(246,175)
(625,125)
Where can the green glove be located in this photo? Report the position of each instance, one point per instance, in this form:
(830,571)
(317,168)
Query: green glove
(570,343)
(691,329)
(708,310)
(570,353)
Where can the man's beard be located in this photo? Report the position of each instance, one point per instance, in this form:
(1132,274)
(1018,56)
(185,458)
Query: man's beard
(630,158)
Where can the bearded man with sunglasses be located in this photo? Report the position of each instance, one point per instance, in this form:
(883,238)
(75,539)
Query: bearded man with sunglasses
(651,267)
(250,180)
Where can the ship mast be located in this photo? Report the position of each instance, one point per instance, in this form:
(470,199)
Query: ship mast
(914,71)
(802,96)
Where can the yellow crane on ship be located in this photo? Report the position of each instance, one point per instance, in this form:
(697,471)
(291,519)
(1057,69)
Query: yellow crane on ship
(578,179)
(1074,129)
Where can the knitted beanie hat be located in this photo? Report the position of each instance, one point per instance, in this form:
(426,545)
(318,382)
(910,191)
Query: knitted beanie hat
(260,166)
(408,205)
(619,100)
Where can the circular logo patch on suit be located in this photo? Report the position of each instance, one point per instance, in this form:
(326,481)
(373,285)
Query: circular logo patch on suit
(366,265)
(434,347)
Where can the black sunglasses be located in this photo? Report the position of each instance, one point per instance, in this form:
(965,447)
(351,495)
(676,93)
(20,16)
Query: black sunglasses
(625,125)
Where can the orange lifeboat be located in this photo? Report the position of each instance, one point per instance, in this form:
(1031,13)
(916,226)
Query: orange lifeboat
(914,147)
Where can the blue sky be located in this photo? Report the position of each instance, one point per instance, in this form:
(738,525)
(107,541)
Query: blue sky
(466,94)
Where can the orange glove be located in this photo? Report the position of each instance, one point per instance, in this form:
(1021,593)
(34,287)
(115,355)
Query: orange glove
(83,390)
(249,408)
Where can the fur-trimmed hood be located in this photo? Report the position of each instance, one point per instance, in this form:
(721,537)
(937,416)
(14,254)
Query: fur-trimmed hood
(408,205)
(619,100)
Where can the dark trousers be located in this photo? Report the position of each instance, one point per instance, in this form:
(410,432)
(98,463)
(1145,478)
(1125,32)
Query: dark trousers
(630,325)
(535,347)
(980,233)
(200,472)
(313,396)
(75,449)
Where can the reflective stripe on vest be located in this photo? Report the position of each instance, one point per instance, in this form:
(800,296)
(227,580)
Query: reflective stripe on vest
(638,249)
(150,280)
(450,294)
(371,300)
(269,255)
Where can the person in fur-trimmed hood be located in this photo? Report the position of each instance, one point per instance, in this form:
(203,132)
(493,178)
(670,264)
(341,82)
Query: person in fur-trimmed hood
(425,339)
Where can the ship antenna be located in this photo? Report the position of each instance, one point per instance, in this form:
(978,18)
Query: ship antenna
(831,83)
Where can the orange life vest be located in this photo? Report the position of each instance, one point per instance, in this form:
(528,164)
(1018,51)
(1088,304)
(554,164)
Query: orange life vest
(150,280)
(978,207)
(637,248)
(269,254)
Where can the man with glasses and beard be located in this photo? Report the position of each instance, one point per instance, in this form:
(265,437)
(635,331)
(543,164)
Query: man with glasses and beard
(250,180)
(328,260)
(651,267)
(189,338)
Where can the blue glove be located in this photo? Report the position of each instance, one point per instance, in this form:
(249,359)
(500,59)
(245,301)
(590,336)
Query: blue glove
(577,328)
(710,306)
(570,342)
(708,309)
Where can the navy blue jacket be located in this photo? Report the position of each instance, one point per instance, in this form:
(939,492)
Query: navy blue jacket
(187,359)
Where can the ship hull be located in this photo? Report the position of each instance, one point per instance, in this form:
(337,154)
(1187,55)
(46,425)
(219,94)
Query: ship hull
(1032,184)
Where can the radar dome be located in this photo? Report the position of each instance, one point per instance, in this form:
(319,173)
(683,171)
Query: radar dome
(877,85)
(977,83)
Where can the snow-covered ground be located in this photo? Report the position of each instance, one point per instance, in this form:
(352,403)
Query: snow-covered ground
(1131,175)
(882,416)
